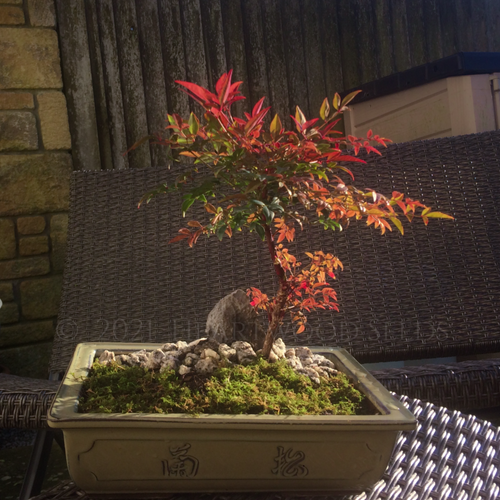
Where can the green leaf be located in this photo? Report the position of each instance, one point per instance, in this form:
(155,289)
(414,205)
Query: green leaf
(348,98)
(194,125)
(221,230)
(336,101)
(260,231)
(439,215)
(324,111)
(398,224)
(258,202)
(188,201)
(268,213)
(276,126)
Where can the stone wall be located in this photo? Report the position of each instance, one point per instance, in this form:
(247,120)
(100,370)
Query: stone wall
(35,166)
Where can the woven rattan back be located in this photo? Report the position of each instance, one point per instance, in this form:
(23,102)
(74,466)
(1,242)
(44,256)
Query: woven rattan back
(433,292)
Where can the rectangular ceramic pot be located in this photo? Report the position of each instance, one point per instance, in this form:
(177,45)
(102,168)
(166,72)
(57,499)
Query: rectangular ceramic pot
(140,454)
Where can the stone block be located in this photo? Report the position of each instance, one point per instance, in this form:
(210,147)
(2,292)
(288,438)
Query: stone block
(42,13)
(29,59)
(24,268)
(33,245)
(58,237)
(31,225)
(34,184)
(28,361)
(11,15)
(9,313)
(54,120)
(7,239)
(40,297)
(6,292)
(26,333)
(16,100)
(18,131)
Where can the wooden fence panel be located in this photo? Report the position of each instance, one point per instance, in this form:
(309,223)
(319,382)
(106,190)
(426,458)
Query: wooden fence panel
(174,62)
(134,102)
(100,101)
(275,57)
(330,47)
(384,38)
(121,57)
(153,75)
(78,86)
(112,83)
(214,40)
(416,32)
(294,55)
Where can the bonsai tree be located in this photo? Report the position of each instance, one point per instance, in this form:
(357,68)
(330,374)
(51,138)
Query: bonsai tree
(272,182)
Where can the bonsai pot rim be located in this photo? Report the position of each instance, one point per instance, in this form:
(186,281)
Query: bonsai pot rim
(64,411)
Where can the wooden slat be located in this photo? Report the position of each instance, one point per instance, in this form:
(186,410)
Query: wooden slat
(314,61)
(367,49)
(433,37)
(448,20)
(349,45)
(101,105)
(493,25)
(416,31)
(255,51)
(330,45)
(383,36)
(479,26)
(275,56)
(400,34)
(134,105)
(294,55)
(235,49)
(78,84)
(153,74)
(194,47)
(174,62)
(214,40)
(112,83)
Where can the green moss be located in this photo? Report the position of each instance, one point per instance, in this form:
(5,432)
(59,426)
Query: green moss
(260,388)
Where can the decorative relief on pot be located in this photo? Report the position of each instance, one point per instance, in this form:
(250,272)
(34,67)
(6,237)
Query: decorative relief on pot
(181,465)
(289,464)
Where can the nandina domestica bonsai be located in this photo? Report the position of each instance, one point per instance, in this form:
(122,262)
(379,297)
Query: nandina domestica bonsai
(259,178)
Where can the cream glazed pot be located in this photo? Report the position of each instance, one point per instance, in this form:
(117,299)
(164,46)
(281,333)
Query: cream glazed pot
(139,454)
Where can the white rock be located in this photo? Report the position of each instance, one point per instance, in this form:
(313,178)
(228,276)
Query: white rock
(121,359)
(184,370)
(244,352)
(205,366)
(311,373)
(169,363)
(331,371)
(290,353)
(277,351)
(227,352)
(155,359)
(295,363)
(107,357)
(190,347)
(191,359)
(320,360)
(169,346)
(139,358)
(303,352)
(181,344)
(209,353)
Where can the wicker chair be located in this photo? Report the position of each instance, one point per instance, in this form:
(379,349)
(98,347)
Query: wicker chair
(434,292)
